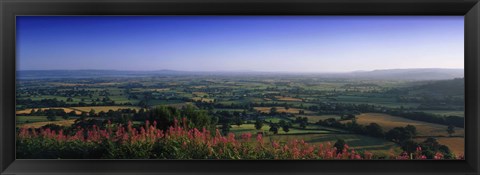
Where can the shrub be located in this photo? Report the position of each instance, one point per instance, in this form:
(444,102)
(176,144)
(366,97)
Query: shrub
(177,142)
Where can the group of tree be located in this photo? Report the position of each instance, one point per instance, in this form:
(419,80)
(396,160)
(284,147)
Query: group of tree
(282,124)
(165,117)
(428,117)
(302,121)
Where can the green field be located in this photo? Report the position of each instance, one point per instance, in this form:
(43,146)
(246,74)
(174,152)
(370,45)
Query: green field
(31,119)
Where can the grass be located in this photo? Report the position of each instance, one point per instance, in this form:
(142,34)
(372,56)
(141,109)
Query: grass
(30,119)
(316,118)
(68,122)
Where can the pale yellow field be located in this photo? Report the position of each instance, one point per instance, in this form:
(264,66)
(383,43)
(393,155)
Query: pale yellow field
(198,87)
(280,98)
(199,94)
(104,108)
(281,109)
(423,128)
(67,110)
(160,89)
(208,100)
(456,144)
(40,124)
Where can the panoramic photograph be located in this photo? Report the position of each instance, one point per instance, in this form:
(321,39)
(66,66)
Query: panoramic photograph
(240,87)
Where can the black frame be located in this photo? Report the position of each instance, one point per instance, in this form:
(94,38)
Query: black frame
(10,8)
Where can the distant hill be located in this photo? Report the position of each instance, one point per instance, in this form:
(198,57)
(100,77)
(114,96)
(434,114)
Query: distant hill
(42,74)
(407,74)
(387,74)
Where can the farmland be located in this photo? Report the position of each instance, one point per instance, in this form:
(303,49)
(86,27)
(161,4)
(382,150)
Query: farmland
(279,107)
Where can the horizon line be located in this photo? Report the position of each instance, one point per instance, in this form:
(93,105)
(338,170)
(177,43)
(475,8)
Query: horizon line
(236,71)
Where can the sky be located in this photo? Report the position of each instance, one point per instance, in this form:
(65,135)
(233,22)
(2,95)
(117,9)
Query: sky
(239,43)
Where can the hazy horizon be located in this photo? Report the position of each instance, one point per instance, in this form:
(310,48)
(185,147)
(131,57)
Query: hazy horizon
(297,44)
(234,70)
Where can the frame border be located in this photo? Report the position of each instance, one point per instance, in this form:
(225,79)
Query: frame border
(12,8)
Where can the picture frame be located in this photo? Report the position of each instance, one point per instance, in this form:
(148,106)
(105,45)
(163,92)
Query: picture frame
(12,8)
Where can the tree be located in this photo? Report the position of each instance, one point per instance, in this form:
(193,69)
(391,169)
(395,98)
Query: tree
(65,116)
(374,129)
(282,123)
(273,110)
(450,130)
(197,118)
(301,112)
(274,128)
(83,116)
(258,124)
(91,113)
(51,118)
(340,144)
(287,108)
(32,112)
(225,128)
(238,120)
(163,115)
(412,129)
(286,128)
(72,113)
(303,124)
(399,135)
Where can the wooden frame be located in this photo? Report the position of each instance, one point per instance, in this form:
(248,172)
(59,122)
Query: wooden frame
(11,8)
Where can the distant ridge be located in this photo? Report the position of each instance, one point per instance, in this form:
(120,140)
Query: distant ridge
(383,74)
(410,74)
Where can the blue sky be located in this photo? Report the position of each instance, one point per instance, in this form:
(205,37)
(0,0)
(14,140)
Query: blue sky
(239,43)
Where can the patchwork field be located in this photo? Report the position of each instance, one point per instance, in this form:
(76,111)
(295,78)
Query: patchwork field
(225,100)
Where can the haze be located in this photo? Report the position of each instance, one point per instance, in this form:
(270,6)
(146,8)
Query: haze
(248,43)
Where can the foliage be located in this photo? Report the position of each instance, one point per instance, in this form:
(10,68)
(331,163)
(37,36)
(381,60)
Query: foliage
(258,124)
(177,142)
